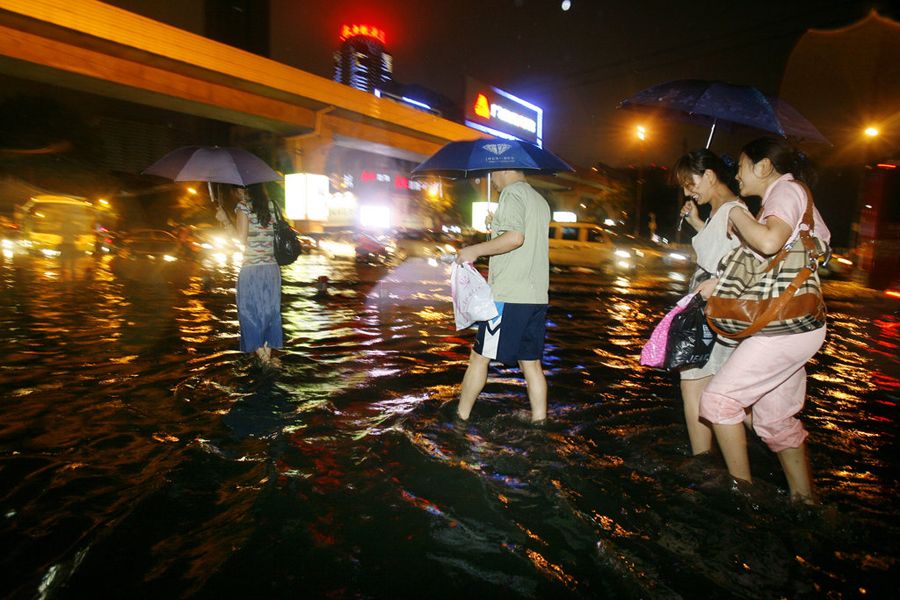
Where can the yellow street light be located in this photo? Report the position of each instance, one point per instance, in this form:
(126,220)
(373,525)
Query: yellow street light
(192,191)
(871,132)
(641,132)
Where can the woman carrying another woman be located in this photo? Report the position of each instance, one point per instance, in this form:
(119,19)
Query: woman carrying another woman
(766,372)
(259,280)
(705,179)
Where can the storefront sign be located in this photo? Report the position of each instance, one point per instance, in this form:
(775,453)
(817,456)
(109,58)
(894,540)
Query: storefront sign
(306,196)
(499,113)
(399,182)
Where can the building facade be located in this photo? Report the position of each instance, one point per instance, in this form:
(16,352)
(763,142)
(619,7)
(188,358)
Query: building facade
(362,61)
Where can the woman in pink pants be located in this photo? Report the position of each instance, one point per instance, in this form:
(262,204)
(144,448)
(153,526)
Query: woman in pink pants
(766,373)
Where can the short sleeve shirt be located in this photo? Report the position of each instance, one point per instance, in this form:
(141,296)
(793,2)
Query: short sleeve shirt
(712,243)
(260,248)
(521,276)
(786,199)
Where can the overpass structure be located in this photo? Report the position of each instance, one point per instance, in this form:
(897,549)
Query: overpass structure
(94,47)
(107,51)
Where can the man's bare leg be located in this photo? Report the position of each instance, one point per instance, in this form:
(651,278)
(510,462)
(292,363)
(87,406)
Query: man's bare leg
(472,383)
(537,388)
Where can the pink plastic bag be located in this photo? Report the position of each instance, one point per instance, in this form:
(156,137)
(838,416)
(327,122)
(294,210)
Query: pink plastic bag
(654,352)
(472,300)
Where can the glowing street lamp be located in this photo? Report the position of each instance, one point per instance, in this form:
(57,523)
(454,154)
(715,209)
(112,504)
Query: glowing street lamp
(641,133)
(871,132)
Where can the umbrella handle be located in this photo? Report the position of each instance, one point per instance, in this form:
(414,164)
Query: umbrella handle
(490,212)
(212,196)
(218,202)
(712,132)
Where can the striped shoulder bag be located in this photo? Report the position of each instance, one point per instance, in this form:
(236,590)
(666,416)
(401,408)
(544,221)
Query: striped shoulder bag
(775,297)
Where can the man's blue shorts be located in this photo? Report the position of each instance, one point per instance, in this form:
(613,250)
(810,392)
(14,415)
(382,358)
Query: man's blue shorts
(517,333)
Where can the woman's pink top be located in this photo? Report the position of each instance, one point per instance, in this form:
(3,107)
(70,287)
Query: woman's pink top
(786,199)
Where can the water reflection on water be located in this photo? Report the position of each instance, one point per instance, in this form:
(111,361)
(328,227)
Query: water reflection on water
(143,455)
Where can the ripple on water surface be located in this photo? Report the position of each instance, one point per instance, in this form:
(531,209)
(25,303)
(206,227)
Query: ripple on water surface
(142,454)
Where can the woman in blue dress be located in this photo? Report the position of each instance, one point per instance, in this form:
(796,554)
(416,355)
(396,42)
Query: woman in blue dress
(259,280)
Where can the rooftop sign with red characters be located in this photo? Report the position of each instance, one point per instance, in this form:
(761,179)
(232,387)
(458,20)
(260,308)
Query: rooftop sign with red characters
(350,31)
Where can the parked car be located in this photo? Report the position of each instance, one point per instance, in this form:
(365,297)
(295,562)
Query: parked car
(588,245)
(838,266)
(307,243)
(647,254)
(152,256)
(424,243)
(47,223)
(9,236)
(893,290)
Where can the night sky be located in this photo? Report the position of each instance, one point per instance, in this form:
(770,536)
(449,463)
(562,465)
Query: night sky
(576,64)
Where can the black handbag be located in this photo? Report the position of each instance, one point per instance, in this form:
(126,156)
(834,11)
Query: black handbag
(690,340)
(287,245)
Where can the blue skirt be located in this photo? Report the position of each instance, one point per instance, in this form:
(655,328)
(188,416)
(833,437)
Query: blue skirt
(259,306)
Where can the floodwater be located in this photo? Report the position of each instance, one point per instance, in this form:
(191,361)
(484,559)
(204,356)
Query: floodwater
(142,456)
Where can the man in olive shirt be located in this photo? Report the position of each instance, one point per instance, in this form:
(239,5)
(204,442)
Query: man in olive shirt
(519,276)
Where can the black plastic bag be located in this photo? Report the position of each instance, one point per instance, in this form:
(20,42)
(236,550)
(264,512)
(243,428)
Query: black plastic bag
(690,340)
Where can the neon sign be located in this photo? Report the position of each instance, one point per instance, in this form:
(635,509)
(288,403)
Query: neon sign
(501,114)
(513,118)
(482,107)
(400,182)
(349,31)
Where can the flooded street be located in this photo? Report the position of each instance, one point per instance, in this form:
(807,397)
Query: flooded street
(141,455)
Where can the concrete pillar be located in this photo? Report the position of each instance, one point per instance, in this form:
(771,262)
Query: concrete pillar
(309,151)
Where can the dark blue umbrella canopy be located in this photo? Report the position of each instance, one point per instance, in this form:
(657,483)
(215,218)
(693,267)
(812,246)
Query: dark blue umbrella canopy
(213,164)
(461,159)
(713,103)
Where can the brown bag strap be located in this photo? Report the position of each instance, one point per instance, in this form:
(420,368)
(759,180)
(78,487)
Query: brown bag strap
(805,234)
(771,311)
(776,305)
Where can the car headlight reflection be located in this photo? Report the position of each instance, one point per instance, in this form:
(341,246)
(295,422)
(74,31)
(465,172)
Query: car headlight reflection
(677,256)
(623,253)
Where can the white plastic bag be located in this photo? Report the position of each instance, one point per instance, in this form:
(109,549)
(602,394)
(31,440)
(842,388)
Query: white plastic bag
(471,295)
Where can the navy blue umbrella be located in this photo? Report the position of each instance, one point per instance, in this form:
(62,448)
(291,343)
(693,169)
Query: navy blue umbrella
(713,103)
(472,157)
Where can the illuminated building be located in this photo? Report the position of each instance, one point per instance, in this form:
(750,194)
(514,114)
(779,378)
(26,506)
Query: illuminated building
(362,61)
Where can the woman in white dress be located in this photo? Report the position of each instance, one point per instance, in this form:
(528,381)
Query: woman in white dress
(705,179)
